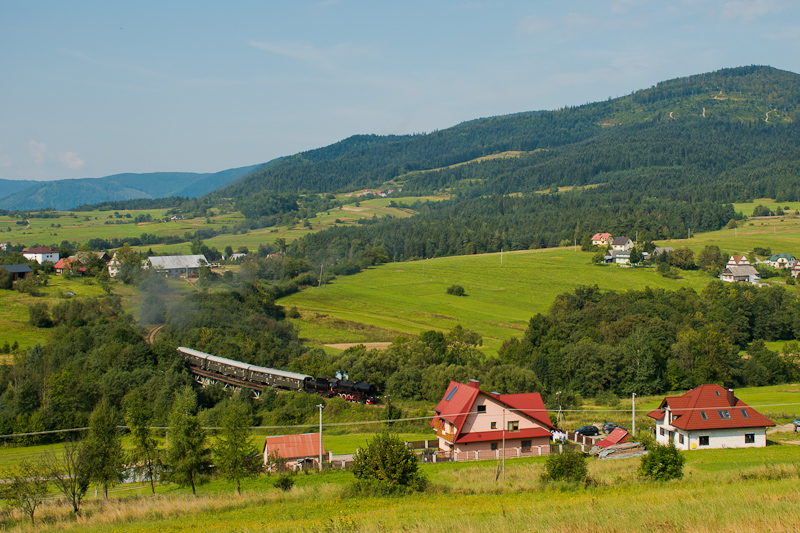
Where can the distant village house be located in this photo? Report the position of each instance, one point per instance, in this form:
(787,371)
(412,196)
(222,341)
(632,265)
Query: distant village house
(298,450)
(176,265)
(602,239)
(40,254)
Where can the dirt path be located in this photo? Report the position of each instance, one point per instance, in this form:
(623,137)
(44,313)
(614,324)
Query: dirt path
(367,345)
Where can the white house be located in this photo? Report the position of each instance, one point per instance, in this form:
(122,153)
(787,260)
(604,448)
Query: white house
(618,257)
(738,260)
(472,424)
(740,274)
(40,254)
(781,260)
(622,243)
(709,416)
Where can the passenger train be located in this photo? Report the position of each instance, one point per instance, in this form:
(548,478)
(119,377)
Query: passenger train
(261,376)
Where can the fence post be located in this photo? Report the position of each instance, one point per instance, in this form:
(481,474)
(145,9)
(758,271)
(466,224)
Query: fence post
(455,456)
(476,455)
(434,457)
(519,452)
(426,444)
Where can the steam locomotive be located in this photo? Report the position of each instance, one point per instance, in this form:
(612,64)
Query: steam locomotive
(258,376)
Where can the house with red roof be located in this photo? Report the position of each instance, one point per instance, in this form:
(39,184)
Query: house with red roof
(602,239)
(296,449)
(474,424)
(709,416)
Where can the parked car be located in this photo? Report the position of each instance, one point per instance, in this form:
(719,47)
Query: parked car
(608,427)
(588,431)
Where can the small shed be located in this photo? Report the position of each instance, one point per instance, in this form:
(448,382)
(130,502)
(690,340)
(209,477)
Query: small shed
(296,449)
(19,271)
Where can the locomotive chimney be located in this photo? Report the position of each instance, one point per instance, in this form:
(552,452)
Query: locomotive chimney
(731,398)
(474,383)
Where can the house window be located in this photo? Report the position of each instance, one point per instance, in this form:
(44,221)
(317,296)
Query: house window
(526,445)
(680,438)
(494,446)
(744,413)
(749,438)
(724,414)
(661,432)
(481,409)
(494,425)
(703,440)
(704,415)
(513,425)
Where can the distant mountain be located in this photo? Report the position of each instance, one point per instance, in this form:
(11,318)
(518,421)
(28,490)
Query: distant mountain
(9,187)
(673,123)
(67,194)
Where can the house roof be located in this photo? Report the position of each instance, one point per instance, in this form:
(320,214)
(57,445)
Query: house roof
(38,250)
(171,262)
(744,270)
(294,446)
(601,236)
(710,407)
(617,436)
(620,241)
(736,259)
(662,249)
(17,269)
(775,257)
(459,399)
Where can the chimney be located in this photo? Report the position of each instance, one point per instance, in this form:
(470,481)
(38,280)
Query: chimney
(474,383)
(731,398)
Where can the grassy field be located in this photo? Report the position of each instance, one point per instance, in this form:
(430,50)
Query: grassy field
(501,298)
(83,226)
(722,490)
(14,319)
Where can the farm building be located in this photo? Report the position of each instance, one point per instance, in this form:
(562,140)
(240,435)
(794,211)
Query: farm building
(709,416)
(740,274)
(298,450)
(176,265)
(473,424)
(40,254)
(19,271)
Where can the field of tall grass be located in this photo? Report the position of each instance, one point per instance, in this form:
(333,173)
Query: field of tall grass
(722,490)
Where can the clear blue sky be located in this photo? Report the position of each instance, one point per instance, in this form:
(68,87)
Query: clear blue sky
(89,89)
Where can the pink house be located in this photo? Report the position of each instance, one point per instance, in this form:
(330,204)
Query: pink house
(474,424)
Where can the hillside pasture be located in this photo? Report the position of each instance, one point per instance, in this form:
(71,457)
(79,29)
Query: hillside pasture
(500,298)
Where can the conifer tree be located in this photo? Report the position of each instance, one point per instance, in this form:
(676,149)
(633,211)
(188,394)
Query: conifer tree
(188,454)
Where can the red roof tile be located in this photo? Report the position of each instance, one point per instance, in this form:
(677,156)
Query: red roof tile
(294,446)
(710,407)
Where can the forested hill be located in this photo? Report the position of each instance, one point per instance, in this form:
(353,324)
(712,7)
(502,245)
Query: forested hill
(68,194)
(713,124)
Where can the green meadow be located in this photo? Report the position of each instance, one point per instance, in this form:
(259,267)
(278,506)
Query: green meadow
(501,297)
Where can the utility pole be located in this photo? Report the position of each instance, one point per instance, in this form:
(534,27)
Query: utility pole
(501,257)
(633,414)
(504,445)
(321,407)
(320,276)
(559,419)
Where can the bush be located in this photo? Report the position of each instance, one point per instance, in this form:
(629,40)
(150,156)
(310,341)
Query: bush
(285,482)
(568,466)
(388,461)
(662,463)
(39,315)
(456,290)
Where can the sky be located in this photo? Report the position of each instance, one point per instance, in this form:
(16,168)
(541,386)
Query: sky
(91,89)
